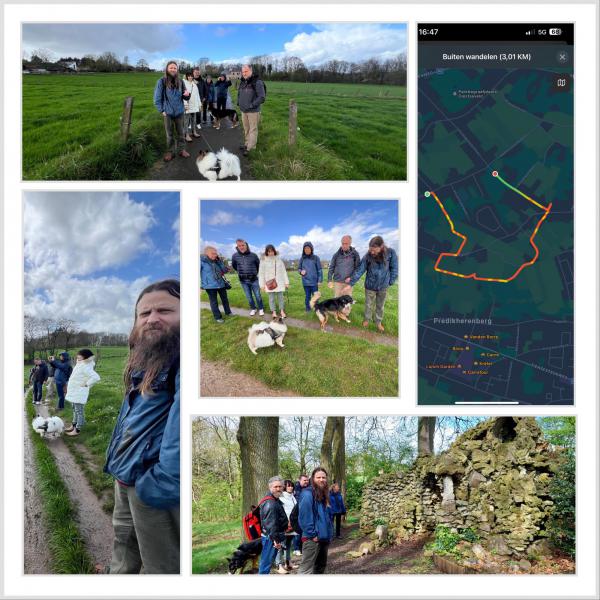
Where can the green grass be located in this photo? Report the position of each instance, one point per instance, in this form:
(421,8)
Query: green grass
(294,302)
(101,413)
(67,549)
(311,364)
(212,543)
(71,129)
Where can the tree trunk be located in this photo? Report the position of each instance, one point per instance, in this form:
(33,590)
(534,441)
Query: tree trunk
(258,438)
(326,445)
(338,466)
(426,435)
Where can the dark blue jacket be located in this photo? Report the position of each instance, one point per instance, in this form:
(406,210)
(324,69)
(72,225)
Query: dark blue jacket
(144,448)
(211,273)
(39,373)
(169,100)
(62,369)
(336,502)
(211,95)
(380,275)
(221,87)
(312,265)
(246,264)
(314,517)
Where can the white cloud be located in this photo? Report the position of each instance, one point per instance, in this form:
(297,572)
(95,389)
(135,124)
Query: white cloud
(223,218)
(77,39)
(174,253)
(69,239)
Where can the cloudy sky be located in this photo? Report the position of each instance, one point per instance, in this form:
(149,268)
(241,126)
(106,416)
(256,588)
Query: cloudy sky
(315,44)
(287,224)
(89,254)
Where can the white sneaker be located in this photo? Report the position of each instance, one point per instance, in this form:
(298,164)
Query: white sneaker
(261,312)
(252,312)
(297,553)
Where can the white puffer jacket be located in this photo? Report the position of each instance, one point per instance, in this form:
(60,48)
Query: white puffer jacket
(82,379)
(192,105)
(272,267)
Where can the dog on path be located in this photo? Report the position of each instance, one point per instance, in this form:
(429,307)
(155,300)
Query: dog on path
(221,165)
(48,427)
(338,307)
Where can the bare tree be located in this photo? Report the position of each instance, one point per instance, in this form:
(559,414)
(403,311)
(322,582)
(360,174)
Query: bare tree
(426,435)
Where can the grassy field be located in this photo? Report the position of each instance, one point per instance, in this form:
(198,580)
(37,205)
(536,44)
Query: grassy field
(346,131)
(101,413)
(212,543)
(311,364)
(294,302)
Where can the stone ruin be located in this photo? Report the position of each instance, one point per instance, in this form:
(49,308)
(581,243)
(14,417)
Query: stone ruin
(493,479)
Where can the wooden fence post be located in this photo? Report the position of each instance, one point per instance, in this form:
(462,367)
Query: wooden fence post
(293,122)
(126,117)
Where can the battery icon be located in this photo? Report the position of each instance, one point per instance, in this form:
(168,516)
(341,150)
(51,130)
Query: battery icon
(555,31)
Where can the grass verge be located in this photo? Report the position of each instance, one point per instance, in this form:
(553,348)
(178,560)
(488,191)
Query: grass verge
(69,555)
(212,543)
(311,364)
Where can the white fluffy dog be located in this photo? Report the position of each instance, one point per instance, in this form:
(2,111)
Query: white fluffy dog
(48,427)
(263,335)
(221,165)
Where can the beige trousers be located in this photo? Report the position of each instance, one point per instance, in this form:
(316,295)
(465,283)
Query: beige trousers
(250,123)
(342,289)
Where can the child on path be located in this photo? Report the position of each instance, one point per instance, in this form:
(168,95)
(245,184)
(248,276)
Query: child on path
(82,379)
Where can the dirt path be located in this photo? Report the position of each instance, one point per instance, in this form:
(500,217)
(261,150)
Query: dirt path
(228,137)
(370,336)
(217,381)
(94,524)
(36,553)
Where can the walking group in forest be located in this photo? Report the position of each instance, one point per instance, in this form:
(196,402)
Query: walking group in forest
(269,274)
(303,518)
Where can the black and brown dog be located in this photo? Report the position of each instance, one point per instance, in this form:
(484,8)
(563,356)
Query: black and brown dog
(223,113)
(247,552)
(338,307)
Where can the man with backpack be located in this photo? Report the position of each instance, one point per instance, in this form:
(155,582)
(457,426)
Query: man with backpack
(62,372)
(251,94)
(273,525)
(314,515)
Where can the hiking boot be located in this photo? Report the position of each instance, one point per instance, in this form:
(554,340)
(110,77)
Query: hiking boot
(380,327)
(252,312)
(168,156)
(70,428)
(281,570)
(188,138)
(73,432)
(184,154)
(365,323)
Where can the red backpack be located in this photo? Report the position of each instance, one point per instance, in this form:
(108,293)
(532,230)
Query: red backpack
(251,521)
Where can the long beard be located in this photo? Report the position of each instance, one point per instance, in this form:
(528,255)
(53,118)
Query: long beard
(321,494)
(151,349)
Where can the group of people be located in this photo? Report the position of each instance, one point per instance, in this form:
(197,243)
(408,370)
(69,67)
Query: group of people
(268,274)
(71,383)
(319,509)
(143,452)
(185,104)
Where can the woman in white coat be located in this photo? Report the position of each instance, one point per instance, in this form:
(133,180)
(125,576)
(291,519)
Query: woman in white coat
(288,500)
(192,107)
(81,380)
(273,279)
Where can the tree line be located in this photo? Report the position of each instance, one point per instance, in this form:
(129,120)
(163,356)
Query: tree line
(43,336)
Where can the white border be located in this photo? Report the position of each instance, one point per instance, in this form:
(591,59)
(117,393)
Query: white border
(586,72)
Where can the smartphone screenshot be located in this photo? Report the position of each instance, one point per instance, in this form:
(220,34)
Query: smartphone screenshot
(495,210)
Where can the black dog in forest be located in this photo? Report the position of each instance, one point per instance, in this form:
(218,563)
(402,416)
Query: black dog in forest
(247,552)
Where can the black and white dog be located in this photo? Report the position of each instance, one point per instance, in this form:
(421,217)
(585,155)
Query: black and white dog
(223,113)
(221,165)
(249,551)
(338,307)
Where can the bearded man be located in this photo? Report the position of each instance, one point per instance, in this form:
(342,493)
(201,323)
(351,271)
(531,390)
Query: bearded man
(315,519)
(143,454)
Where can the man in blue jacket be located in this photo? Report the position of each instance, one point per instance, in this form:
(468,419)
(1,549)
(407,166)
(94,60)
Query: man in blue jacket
(309,267)
(62,372)
(169,94)
(381,265)
(338,508)
(143,454)
(314,516)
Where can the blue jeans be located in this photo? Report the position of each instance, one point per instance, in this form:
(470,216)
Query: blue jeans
(214,302)
(60,390)
(267,556)
(309,290)
(297,541)
(252,291)
(37,391)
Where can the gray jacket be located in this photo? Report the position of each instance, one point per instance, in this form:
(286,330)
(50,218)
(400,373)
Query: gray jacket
(251,94)
(343,264)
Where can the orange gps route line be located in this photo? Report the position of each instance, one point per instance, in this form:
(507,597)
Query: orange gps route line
(463,237)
